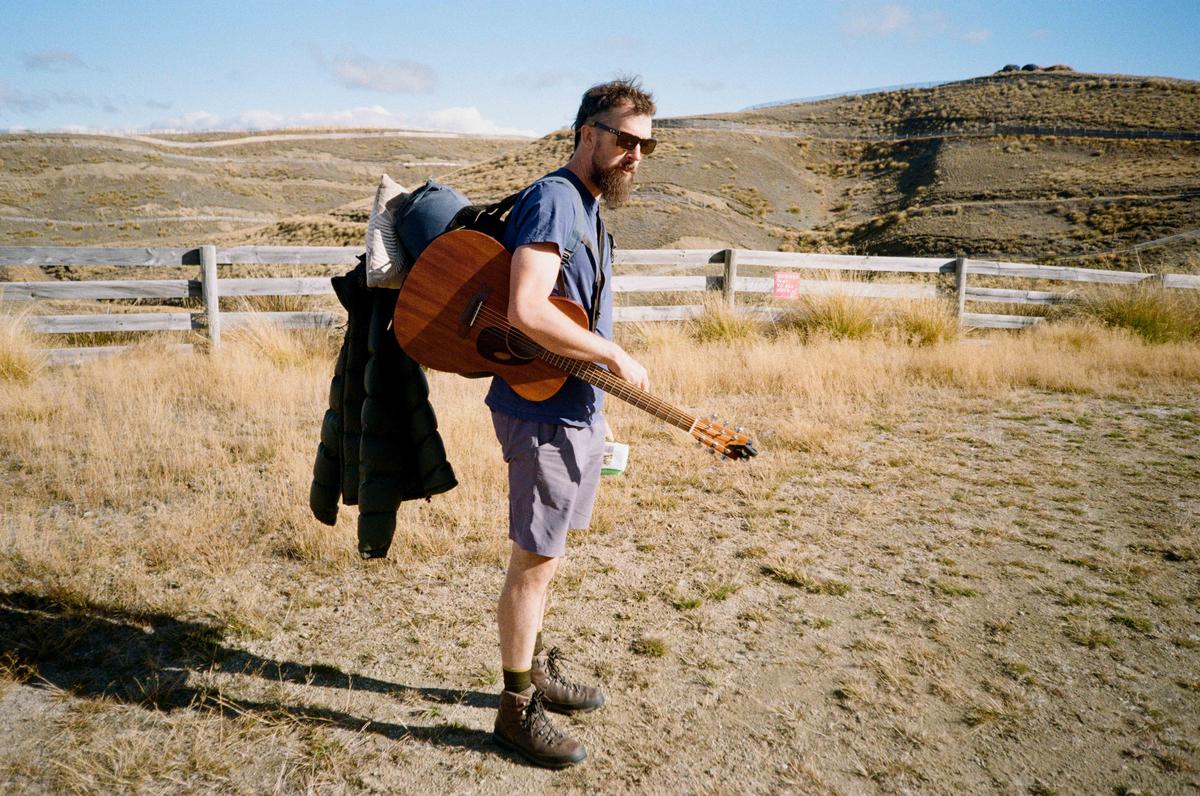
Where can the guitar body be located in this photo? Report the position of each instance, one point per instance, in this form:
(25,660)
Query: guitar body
(451,315)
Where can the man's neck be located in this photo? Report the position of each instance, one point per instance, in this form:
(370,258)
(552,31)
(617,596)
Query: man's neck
(577,166)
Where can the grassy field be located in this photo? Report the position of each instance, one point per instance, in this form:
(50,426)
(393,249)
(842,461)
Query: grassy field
(957,566)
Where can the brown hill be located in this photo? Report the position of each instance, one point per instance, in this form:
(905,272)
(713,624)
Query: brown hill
(920,171)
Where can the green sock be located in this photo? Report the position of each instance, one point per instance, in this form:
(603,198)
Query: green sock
(537,643)
(516,681)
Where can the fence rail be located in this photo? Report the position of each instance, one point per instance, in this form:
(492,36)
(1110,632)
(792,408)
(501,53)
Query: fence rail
(666,275)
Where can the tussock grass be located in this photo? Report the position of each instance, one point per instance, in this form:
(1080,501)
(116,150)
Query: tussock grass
(925,323)
(21,358)
(284,347)
(721,323)
(1155,314)
(839,316)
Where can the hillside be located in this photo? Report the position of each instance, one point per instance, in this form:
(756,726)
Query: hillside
(916,171)
(72,189)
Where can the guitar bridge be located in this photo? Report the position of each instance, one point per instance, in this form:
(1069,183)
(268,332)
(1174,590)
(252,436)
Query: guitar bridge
(471,314)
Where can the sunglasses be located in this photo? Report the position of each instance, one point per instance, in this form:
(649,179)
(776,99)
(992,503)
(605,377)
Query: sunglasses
(628,141)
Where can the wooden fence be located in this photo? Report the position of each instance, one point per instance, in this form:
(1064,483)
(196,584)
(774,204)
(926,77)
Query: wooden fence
(730,271)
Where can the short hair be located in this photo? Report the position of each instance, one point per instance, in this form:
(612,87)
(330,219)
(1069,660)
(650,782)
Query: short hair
(606,96)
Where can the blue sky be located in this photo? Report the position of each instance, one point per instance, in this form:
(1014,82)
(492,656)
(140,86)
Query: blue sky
(519,67)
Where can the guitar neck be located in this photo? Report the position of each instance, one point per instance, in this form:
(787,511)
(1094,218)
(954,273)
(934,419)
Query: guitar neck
(617,387)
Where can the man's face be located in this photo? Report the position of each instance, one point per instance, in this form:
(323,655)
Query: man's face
(614,169)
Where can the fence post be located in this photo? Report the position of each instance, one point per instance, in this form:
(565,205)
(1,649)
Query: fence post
(960,284)
(729,288)
(208,289)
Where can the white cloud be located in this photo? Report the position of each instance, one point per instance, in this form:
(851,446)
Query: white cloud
(18,101)
(881,22)
(454,120)
(393,77)
(51,60)
(977,36)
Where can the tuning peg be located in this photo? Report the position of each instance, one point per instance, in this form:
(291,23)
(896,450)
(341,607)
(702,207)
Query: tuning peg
(724,457)
(739,429)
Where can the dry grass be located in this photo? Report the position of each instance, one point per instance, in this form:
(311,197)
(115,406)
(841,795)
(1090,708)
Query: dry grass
(21,358)
(866,567)
(840,316)
(1155,314)
(720,322)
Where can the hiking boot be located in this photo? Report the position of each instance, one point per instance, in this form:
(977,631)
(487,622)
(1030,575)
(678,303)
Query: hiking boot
(523,726)
(562,695)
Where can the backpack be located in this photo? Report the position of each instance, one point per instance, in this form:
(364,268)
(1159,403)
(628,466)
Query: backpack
(434,209)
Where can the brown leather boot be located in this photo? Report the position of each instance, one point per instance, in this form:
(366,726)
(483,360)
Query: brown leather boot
(562,695)
(523,726)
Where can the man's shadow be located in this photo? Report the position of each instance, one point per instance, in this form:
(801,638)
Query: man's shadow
(94,651)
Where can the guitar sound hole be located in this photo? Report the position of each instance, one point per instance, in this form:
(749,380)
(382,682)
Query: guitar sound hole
(521,346)
(493,345)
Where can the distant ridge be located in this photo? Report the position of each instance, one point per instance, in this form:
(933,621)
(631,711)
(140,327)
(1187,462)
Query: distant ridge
(854,93)
(997,76)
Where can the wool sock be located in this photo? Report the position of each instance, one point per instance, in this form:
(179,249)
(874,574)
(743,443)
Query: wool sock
(537,643)
(516,681)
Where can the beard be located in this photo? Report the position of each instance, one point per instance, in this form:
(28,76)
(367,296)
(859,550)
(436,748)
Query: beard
(614,182)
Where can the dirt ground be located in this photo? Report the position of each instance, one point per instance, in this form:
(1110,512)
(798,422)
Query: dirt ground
(978,595)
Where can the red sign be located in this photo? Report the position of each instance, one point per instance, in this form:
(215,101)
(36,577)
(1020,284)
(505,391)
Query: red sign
(787,285)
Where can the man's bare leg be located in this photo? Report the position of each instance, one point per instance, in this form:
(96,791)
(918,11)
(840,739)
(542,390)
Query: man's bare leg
(522,602)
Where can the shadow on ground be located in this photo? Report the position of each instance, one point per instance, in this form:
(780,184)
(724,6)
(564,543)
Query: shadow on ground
(94,651)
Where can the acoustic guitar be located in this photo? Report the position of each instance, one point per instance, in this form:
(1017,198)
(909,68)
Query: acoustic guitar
(452,315)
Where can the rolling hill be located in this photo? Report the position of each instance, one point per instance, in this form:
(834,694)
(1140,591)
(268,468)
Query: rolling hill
(955,168)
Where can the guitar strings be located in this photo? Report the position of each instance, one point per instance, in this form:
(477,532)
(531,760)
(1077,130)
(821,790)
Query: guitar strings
(610,382)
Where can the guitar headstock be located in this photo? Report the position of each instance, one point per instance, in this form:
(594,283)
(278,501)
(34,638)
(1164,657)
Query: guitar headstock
(729,443)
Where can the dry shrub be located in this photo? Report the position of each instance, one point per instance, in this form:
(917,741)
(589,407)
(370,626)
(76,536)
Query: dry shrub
(652,335)
(284,347)
(1154,313)
(926,322)
(841,316)
(21,359)
(719,322)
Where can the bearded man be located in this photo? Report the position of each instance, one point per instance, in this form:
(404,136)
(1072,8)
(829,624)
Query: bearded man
(554,447)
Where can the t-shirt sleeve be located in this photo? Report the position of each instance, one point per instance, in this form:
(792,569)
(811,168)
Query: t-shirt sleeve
(546,214)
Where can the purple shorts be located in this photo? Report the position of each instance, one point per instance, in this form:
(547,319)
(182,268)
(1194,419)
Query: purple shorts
(553,472)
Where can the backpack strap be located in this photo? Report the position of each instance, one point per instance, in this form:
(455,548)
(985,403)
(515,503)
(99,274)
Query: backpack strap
(579,234)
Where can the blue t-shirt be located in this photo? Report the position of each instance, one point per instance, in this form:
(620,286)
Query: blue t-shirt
(545,213)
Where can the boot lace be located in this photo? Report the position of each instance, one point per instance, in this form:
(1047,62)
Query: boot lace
(538,724)
(553,658)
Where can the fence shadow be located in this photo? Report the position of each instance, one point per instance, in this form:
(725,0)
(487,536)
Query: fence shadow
(94,651)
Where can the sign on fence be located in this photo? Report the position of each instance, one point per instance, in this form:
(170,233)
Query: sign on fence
(787,285)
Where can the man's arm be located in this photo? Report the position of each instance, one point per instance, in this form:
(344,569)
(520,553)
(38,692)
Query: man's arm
(535,269)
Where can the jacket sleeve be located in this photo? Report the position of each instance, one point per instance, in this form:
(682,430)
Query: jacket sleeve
(326,488)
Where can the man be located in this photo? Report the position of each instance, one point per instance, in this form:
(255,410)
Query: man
(554,447)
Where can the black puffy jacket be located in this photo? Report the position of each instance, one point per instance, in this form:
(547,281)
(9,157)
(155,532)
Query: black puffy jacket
(379,439)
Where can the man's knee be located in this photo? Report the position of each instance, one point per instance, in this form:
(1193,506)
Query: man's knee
(530,569)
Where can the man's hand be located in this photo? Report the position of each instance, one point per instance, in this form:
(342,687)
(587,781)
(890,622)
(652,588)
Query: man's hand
(630,369)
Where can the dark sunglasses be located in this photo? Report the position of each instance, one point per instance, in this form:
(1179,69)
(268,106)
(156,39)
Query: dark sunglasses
(628,141)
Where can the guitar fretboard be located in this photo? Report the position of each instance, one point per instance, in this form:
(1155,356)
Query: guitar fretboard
(619,388)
